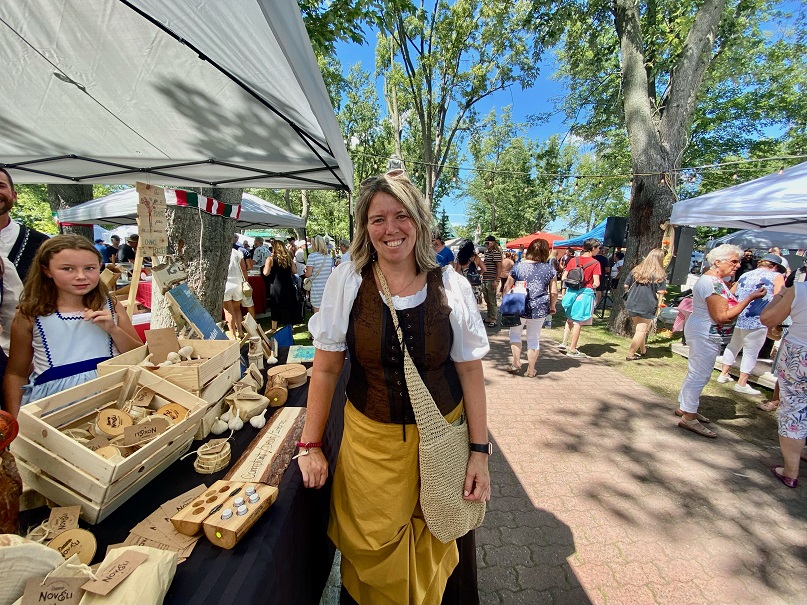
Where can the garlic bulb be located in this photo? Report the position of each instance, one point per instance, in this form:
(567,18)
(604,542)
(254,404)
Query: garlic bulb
(228,415)
(173,357)
(218,427)
(167,362)
(235,424)
(272,360)
(147,363)
(186,352)
(258,421)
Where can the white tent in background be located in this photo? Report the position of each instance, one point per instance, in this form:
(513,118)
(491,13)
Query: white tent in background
(179,93)
(760,239)
(120,208)
(777,202)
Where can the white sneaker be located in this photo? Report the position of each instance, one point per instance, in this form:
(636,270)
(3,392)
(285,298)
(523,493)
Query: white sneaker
(561,347)
(747,390)
(723,379)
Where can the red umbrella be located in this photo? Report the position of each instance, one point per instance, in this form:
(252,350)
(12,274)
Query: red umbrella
(528,239)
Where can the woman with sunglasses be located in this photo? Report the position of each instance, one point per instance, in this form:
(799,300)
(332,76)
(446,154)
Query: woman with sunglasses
(388,553)
(714,309)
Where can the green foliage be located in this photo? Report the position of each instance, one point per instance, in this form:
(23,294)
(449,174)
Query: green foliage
(32,208)
(444,225)
(751,102)
(369,138)
(451,57)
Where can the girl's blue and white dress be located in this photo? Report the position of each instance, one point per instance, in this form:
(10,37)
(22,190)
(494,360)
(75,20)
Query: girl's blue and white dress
(67,350)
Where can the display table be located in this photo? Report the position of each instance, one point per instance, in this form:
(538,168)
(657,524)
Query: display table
(284,559)
(258,293)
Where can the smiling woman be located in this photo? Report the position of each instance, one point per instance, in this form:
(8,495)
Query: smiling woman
(389,554)
(66,323)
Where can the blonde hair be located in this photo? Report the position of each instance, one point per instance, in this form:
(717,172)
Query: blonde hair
(40,294)
(280,254)
(651,269)
(401,188)
(318,245)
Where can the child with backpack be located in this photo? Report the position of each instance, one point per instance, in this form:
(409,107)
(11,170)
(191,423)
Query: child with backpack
(581,277)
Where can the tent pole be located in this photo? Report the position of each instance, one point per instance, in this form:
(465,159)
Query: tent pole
(350,214)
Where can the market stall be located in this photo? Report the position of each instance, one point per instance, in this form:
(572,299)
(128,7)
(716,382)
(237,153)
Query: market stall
(777,202)
(285,558)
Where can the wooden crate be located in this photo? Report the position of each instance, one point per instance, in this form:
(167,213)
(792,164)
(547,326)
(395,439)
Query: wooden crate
(222,384)
(221,354)
(41,421)
(95,512)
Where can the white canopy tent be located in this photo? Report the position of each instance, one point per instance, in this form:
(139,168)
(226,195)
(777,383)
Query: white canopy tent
(762,239)
(120,208)
(777,202)
(179,93)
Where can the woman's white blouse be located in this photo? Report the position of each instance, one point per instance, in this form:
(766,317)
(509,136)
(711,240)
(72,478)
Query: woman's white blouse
(329,325)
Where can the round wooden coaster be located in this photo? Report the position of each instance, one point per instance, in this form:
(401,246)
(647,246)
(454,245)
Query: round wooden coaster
(75,542)
(108,451)
(112,421)
(294,373)
(174,411)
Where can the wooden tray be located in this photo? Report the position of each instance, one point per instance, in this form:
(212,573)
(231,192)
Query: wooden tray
(221,354)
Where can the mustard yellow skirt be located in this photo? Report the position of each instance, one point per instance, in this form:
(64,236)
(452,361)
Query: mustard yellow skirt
(389,556)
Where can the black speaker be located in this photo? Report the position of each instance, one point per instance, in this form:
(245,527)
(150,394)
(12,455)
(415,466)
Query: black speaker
(684,239)
(616,231)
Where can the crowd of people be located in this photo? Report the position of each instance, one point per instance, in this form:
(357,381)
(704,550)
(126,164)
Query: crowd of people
(397,294)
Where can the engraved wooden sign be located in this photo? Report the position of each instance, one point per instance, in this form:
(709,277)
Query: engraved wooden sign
(152,222)
(269,454)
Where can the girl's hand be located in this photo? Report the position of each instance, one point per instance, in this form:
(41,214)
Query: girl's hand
(477,478)
(102,318)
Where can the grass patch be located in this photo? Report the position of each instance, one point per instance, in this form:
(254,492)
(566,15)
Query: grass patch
(663,371)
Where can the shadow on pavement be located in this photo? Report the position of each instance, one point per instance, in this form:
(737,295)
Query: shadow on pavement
(522,550)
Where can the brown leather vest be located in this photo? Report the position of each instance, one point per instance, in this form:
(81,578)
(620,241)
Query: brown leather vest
(376,386)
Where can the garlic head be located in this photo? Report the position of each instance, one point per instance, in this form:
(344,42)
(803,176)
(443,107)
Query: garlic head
(258,421)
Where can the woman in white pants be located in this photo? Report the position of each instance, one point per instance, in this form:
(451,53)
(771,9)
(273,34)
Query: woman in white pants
(542,294)
(714,309)
(749,333)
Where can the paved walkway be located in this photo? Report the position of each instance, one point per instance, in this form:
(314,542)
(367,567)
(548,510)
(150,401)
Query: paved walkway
(598,497)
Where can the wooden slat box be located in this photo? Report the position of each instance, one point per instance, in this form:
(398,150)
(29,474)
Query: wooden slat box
(68,471)
(221,354)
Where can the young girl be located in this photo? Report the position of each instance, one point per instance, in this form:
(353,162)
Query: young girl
(66,323)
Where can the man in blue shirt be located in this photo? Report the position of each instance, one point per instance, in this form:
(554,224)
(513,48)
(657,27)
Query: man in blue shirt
(444,254)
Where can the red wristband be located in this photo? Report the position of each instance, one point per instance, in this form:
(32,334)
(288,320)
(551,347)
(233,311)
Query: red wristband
(308,446)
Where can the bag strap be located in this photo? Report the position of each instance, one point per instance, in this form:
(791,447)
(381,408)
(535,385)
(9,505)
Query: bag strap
(427,415)
(321,267)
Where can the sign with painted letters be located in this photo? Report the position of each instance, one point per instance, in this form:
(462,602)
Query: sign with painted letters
(152,222)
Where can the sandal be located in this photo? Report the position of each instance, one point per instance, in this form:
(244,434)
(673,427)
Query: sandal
(513,369)
(768,406)
(490,324)
(633,357)
(696,427)
(701,417)
(532,374)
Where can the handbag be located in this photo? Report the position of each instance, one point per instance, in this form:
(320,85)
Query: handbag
(308,282)
(472,275)
(443,453)
(246,289)
(515,301)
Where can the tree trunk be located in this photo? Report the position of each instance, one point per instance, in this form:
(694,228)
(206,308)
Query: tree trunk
(208,241)
(67,196)
(650,206)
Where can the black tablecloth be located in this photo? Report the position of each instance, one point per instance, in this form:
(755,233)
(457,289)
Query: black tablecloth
(285,558)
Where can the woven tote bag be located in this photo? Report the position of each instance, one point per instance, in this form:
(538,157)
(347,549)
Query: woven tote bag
(443,453)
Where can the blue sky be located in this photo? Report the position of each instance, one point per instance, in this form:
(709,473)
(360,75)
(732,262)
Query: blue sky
(532,101)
